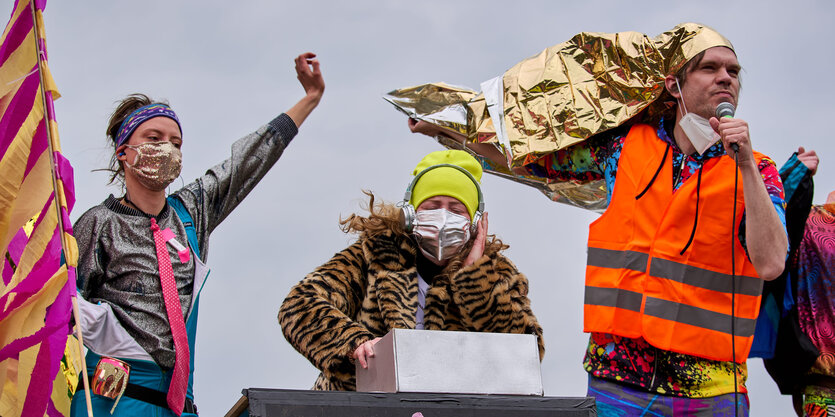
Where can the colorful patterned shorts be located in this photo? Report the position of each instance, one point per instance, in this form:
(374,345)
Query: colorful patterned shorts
(621,400)
(818,406)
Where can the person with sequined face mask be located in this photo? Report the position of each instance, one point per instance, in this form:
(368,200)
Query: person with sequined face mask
(426,263)
(142,256)
(148,146)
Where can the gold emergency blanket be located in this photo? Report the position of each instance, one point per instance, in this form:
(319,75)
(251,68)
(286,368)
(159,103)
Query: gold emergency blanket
(561,96)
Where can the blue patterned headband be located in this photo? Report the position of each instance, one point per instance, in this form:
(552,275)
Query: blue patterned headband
(141,115)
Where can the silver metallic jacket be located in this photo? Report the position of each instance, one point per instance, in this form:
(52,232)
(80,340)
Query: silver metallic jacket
(117,261)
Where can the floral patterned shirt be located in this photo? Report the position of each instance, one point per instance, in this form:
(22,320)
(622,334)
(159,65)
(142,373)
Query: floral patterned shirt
(635,361)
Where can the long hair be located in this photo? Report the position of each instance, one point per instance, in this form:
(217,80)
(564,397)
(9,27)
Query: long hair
(123,110)
(385,217)
(382,217)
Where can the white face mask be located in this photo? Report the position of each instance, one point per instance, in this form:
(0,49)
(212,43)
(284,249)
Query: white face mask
(441,233)
(697,128)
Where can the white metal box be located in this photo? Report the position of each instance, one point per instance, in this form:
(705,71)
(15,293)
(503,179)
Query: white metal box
(453,362)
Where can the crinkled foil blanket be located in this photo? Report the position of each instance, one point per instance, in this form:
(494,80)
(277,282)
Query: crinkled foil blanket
(560,97)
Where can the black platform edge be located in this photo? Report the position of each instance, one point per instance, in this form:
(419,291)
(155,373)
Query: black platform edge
(268,402)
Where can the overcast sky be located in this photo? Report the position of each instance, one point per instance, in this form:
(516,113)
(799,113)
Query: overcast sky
(226,68)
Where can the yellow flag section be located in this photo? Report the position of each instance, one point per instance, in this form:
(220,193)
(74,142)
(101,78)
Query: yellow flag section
(37,271)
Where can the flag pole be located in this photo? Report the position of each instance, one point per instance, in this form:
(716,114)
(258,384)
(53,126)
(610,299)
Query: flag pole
(57,200)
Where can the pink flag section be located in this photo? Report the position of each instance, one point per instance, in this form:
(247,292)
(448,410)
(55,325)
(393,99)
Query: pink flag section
(37,272)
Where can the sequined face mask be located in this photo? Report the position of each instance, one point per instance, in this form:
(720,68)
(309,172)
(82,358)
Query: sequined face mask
(441,233)
(156,165)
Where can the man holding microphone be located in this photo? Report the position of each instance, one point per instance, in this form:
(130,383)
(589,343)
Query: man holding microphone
(695,222)
(663,335)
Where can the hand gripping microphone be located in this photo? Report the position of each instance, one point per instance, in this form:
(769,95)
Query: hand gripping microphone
(725,109)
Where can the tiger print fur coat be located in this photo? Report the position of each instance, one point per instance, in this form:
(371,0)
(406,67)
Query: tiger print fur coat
(371,287)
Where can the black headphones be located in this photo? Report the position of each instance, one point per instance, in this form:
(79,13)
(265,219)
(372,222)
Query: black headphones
(407,211)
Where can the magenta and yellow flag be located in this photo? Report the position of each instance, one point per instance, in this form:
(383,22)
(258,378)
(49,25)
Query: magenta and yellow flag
(39,253)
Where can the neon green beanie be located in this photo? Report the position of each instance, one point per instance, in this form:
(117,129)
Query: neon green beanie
(447,180)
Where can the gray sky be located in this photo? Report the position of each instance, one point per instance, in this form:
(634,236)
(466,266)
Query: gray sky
(226,68)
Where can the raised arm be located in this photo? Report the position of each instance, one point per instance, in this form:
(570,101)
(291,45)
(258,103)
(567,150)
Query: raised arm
(485,150)
(799,188)
(583,161)
(309,75)
(809,158)
(224,186)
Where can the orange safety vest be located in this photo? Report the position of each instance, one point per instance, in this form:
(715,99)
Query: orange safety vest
(638,281)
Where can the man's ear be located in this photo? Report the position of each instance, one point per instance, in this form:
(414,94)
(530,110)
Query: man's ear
(672,88)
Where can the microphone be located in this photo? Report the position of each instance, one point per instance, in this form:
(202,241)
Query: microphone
(725,109)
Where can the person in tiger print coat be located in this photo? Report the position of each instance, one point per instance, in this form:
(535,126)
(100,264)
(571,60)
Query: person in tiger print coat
(403,272)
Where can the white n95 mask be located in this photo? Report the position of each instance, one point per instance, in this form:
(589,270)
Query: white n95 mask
(697,128)
(441,233)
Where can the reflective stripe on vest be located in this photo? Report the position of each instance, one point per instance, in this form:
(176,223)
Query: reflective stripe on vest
(698,317)
(683,273)
(638,283)
(686,274)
